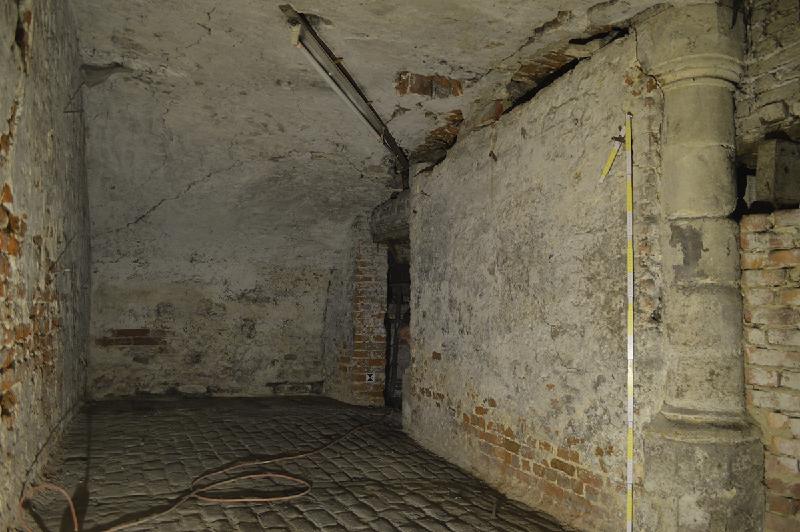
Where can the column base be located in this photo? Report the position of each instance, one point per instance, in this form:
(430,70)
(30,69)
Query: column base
(701,477)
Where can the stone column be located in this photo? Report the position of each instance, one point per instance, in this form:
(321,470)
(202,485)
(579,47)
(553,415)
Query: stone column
(702,454)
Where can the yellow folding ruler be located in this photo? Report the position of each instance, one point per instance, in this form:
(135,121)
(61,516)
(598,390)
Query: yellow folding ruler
(629,208)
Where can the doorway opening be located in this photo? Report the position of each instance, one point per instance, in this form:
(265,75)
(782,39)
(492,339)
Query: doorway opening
(398,317)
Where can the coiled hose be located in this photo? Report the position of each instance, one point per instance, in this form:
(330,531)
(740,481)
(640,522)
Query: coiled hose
(198,488)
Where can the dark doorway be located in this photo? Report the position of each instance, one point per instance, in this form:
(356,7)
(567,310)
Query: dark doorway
(398,316)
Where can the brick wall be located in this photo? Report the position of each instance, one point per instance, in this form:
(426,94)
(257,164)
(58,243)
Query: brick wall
(354,335)
(770,97)
(369,330)
(133,337)
(770,247)
(44,254)
(556,476)
(251,332)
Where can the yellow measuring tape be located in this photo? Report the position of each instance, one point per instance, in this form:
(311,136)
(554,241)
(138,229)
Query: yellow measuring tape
(629,269)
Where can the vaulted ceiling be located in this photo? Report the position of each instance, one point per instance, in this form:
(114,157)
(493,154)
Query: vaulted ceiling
(201,117)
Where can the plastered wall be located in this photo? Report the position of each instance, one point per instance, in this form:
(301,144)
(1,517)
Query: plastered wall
(44,252)
(256,333)
(212,245)
(210,267)
(518,294)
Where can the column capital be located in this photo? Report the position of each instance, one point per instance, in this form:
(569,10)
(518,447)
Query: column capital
(698,42)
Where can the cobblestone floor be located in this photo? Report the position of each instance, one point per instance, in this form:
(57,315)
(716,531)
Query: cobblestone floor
(124,459)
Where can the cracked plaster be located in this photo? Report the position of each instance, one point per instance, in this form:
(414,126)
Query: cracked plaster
(219,163)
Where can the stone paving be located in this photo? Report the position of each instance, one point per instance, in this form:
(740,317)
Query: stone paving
(125,459)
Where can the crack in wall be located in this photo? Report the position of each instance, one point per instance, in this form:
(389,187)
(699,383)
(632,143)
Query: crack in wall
(561,19)
(174,197)
(543,70)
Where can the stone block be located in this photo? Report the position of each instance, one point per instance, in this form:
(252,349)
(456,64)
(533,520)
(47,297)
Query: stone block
(777,178)
(772,357)
(756,223)
(780,523)
(787,447)
(762,377)
(782,505)
(703,478)
(776,420)
(389,220)
(784,337)
(773,112)
(791,380)
(777,399)
(787,218)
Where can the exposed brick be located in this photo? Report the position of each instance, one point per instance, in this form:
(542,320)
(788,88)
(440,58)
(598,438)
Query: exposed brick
(754,241)
(368,352)
(489,437)
(791,380)
(568,454)
(554,491)
(552,479)
(776,399)
(511,445)
(755,278)
(776,466)
(130,332)
(794,427)
(569,469)
(777,421)
(772,357)
(783,258)
(783,241)
(434,86)
(782,505)
(755,336)
(786,488)
(756,223)
(789,296)
(759,296)
(502,454)
(780,523)
(775,316)
(43,323)
(787,218)
(753,260)
(590,478)
(762,377)
(789,447)
(6,196)
(762,106)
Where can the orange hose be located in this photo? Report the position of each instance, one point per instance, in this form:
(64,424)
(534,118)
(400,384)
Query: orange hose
(197,492)
(47,486)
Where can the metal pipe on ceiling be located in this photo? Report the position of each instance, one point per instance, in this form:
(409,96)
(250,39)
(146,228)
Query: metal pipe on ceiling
(330,67)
